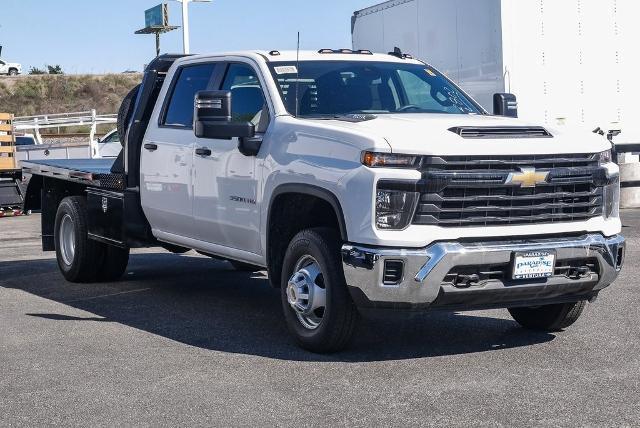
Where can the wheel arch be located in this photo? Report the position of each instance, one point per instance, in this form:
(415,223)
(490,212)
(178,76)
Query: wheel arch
(310,190)
(313,193)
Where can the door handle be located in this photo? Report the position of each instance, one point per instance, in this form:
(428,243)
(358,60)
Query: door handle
(203,151)
(151,146)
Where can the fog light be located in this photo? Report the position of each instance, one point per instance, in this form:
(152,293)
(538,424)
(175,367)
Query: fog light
(393,272)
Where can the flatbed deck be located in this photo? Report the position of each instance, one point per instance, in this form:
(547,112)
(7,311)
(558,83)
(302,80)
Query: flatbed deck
(91,172)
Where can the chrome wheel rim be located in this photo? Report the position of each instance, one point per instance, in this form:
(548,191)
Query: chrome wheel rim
(67,240)
(306,292)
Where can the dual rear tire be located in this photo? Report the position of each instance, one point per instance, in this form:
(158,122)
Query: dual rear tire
(81,259)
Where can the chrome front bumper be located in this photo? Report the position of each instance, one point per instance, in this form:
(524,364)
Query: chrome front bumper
(425,269)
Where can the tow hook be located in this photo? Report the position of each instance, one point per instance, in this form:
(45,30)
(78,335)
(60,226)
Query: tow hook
(466,281)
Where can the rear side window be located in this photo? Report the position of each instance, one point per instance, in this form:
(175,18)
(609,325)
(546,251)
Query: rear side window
(192,78)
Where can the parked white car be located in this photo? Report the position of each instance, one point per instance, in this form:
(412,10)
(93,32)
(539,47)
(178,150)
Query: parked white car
(10,68)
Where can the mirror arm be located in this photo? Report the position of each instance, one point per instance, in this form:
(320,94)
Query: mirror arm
(250,146)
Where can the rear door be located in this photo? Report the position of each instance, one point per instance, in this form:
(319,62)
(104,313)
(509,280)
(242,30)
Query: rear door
(227,201)
(166,166)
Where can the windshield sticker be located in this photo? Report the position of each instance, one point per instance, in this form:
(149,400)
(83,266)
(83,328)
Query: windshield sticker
(430,73)
(286,69)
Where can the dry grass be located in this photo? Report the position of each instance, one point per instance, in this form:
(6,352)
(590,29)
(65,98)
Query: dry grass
(48,94)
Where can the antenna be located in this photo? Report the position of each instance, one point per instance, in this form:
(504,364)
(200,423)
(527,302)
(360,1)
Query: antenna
(297,74)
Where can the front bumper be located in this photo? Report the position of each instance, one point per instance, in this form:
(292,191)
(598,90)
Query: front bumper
(423,285)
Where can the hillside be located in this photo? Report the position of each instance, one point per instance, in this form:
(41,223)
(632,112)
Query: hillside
(48,94)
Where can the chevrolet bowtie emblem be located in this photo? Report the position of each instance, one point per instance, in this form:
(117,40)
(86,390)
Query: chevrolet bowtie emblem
(527,177)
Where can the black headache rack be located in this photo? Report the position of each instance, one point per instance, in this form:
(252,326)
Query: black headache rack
(114,211)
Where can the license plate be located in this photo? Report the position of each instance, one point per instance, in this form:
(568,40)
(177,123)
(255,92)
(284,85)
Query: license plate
(534,264)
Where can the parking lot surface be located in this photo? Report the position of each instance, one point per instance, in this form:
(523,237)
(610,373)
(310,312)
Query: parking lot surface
(183,339)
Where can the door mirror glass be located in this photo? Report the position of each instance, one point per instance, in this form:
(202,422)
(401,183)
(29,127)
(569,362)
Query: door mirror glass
(213,119)
(505,105)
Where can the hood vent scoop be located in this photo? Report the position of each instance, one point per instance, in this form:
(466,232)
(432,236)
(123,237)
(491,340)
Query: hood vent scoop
(477,132)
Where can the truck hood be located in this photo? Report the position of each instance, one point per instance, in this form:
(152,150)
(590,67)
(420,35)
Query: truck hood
(429,134)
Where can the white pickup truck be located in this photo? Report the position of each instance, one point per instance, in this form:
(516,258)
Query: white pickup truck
(10,68)
(360,181)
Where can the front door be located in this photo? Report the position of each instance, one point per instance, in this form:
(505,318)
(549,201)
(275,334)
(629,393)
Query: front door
(226,193)
(166,167)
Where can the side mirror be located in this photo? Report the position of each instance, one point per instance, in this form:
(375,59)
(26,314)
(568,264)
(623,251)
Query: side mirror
(212,117)
(505,105)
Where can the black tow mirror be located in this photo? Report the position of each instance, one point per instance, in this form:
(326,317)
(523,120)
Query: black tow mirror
(212,117)
(505,105)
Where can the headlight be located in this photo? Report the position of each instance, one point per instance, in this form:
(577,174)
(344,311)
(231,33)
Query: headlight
(611,197)
(605,157)
(611,189)
(389,160)
(394,208)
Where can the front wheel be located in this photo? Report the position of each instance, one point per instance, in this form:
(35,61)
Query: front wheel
(13,72)
(549,317)
(317,306)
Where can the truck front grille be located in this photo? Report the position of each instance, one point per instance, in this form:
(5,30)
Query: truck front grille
(475,191)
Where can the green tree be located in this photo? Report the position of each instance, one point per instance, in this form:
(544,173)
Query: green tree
(55,69)
(36,70)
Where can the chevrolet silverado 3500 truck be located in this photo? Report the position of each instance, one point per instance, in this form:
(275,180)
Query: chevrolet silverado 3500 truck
(359,180)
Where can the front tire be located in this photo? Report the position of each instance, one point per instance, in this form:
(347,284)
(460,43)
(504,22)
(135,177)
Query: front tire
(78,256)
(13,72)
(548,318)
(318,309)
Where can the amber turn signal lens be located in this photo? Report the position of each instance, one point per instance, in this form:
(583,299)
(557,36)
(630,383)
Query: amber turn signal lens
(389,160)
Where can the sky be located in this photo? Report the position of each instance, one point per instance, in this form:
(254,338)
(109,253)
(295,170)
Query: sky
(97,36)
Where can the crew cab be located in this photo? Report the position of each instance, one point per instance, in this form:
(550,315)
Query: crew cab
(10,68)
(360,181)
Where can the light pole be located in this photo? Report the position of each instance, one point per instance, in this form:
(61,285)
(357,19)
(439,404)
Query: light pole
(185,22)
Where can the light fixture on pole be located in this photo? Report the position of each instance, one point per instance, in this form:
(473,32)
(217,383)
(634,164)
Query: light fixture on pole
(185,22)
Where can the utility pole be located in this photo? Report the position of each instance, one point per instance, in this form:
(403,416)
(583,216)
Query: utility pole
(185,22)
(185,26)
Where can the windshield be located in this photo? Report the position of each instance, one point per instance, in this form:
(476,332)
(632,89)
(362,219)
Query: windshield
(334,88)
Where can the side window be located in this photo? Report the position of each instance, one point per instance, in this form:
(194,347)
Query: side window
(247,99)
(192,78)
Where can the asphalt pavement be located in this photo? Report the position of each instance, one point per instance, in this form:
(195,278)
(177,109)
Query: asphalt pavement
(185,340)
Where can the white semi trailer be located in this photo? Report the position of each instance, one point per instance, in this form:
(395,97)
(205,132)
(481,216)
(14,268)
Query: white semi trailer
(571,63)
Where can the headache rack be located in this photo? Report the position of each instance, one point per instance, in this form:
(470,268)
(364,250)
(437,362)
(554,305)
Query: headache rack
(475,191)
